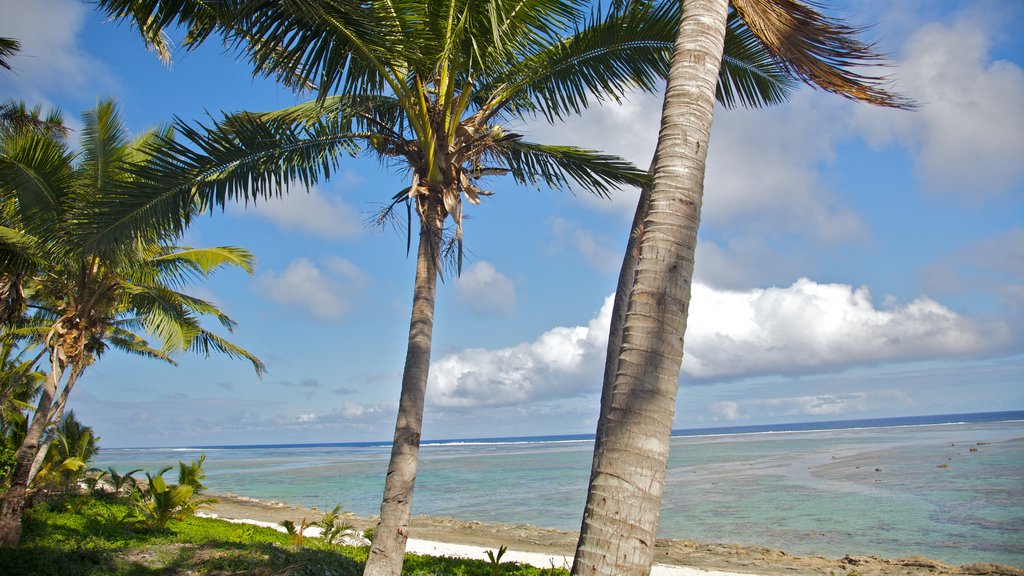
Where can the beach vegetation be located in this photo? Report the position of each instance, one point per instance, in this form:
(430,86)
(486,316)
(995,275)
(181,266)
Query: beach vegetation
(89,541)
(332,526)
(494,558)
(645,348)
(157,503)
(88,297)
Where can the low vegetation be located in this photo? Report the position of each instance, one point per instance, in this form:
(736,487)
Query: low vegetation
(94,534)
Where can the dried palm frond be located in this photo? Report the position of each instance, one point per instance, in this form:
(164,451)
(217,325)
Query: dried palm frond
(820,50)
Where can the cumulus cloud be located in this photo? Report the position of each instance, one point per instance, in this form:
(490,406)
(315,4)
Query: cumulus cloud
(804,328)
(316,213)
(485,290)
(558,364)
(323,293)
(965,137)
(811,327)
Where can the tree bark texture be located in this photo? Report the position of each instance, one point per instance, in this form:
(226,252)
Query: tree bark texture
(13,503)
(623,503)
(389,538)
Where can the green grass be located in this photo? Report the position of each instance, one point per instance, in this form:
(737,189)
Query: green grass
(88,538)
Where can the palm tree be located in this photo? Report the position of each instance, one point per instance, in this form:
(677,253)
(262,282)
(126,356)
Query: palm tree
(426,85)
(88,300)
(72,447)
(631,452)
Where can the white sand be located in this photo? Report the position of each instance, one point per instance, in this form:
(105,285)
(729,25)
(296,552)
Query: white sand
(539,560)
(536,559)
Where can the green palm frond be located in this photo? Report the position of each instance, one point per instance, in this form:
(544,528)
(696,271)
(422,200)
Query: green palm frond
(555,166)
(608,58)
(105,145)
(246,157)
(750,75)
(8,47)
(207,260)
(206,342)
(130,343)
(36,170)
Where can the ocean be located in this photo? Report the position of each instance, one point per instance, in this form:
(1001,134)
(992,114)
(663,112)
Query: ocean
(946,487)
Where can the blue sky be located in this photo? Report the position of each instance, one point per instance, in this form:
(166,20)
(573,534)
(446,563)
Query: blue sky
(853,262)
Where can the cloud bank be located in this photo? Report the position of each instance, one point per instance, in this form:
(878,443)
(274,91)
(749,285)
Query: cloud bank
(805,328)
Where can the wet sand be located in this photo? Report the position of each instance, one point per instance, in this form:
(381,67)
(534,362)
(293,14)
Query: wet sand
(686,553)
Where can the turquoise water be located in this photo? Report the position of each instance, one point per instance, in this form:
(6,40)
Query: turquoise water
(953,492)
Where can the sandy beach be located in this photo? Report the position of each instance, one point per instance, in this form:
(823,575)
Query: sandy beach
(544,547)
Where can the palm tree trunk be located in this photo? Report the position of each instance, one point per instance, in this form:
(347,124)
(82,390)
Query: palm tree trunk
(13,502)
(620,304)
(624,500)
(55,415)
(389,537)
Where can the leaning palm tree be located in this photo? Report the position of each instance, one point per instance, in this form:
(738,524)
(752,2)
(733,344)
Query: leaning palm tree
(645,353)
(85,300)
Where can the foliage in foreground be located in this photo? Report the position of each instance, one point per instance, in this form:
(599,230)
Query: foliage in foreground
(86,537)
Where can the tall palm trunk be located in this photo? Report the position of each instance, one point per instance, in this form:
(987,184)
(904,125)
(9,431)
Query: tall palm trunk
(13,503)
(623,503)
(388,551)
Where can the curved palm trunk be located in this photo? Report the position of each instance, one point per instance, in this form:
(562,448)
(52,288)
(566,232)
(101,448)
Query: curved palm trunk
(623,503)
(13,503)
(55,416)
(623,290)
(389,537)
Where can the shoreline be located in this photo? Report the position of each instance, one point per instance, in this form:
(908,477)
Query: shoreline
(528,544)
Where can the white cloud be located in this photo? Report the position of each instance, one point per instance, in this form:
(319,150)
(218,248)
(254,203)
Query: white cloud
(801,329)
(485,290)
(764,170)
(316,213)
(966,136)
(50,58)
(597,250)
(324,294)
(819,405)
(558,364)
(812,327)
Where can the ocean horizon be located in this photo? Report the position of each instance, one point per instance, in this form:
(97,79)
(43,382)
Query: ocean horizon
(814,426)
(948,487)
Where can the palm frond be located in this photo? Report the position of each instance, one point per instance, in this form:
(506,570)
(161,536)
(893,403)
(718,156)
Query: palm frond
(554,166)
(8,47)
(206,342)
(131,343)
(605,59)
(751,76)
(207,260)
(245,157)
(105,145)
(817,49)
(36,177)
